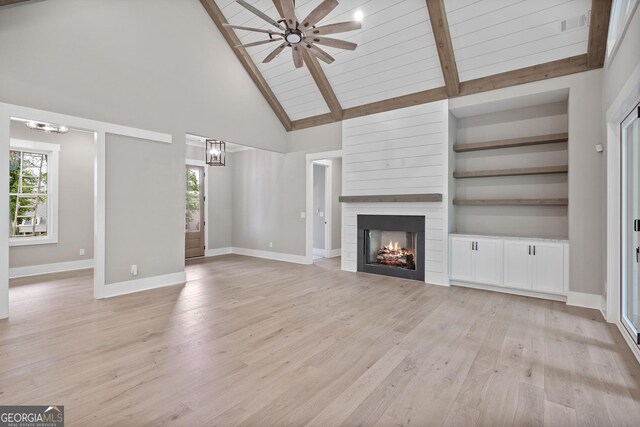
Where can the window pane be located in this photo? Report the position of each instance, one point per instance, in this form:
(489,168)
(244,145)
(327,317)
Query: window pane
(28,216)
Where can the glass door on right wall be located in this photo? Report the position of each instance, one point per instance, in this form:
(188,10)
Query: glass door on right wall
(630,174)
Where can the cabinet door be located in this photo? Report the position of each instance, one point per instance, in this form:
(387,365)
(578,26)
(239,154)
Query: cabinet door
(461,259)
(548,268)
(517,272)
(487,262)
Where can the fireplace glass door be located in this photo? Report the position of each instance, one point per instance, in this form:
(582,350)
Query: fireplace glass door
(394,249)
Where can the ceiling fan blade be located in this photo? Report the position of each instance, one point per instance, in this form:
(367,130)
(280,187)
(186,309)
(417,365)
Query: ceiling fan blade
(340,27)
(288,12)
(259,13)
(322,10)
(257,30)
(274,53)
(258,43)
(319,53)
(326,41)
(297,56)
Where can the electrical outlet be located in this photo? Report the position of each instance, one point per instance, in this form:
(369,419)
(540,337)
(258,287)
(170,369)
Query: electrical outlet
(303,215)
(270,244)
(134,270)
(81,251)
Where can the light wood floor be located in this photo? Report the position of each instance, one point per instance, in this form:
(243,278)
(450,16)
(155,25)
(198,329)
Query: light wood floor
(259,343)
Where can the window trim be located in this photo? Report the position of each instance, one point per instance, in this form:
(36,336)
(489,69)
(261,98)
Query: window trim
(610,54)
(53,153)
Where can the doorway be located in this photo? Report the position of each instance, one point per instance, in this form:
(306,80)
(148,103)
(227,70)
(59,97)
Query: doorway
(321,209)
(630,224)
(194,224)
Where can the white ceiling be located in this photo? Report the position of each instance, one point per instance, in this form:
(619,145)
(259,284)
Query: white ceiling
(396,52)
(494,36)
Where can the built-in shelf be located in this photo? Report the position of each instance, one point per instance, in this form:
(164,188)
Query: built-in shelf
(397,198)
(515,142)
(512,172)
(511,202)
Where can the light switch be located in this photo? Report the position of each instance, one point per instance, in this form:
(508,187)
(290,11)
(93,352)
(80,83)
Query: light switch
(321,214)
(303,215)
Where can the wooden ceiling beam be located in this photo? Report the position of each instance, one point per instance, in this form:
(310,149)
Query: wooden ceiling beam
(323,84)
(440,26)
(232,39)
(549,70)
(562,67)
(8,2)
(598,32)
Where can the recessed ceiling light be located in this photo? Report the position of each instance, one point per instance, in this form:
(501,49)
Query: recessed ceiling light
(358,15)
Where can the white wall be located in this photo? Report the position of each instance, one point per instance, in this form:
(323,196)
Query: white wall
(398,152)
(75,199)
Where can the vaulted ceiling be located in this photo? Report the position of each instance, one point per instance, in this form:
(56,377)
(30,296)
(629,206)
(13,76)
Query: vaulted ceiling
(417,51)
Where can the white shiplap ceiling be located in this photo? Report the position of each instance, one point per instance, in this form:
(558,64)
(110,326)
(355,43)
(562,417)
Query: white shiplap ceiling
(494,36)
(396,52)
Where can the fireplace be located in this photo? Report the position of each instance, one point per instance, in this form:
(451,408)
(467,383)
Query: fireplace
(392,245)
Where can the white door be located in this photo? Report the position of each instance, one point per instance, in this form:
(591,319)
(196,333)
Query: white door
(548,267)
(462,258)
(516,264)
(487,261)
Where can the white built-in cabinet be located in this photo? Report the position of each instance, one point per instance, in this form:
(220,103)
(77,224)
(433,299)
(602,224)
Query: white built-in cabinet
(535,265)
(476,260)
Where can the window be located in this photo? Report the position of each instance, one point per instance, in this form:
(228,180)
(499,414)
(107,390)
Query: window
(33,193)
(621,13)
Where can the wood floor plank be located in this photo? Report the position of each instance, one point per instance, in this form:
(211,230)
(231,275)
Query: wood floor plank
(256,342)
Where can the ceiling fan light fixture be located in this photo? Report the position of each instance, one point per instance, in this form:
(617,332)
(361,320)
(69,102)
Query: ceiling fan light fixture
(293,36)
(358,15)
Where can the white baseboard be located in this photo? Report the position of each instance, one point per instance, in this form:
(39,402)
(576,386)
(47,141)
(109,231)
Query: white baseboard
(277,256)
(580,299)
(137,285)
(436,279)
(335,253)
(520,292)
(217,251)
(318,252)
(36,270)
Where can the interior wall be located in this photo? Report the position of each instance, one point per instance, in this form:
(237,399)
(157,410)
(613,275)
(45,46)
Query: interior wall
(319,208)
(268,196)
(524,221)
(75,199)
(145,208)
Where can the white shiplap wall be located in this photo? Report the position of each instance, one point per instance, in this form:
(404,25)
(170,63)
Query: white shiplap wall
(398,152)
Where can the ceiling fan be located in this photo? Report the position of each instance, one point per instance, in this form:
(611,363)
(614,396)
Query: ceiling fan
(300,34)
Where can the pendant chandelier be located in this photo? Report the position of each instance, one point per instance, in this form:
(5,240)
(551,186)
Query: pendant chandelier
(215,152)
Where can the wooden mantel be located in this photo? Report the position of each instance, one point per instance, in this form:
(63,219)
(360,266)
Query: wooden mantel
(393,198)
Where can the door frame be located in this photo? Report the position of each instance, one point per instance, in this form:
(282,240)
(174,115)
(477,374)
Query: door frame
(100,129)
(328,208)
(203,164)
(627,97)
(310,158)
(632,117)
